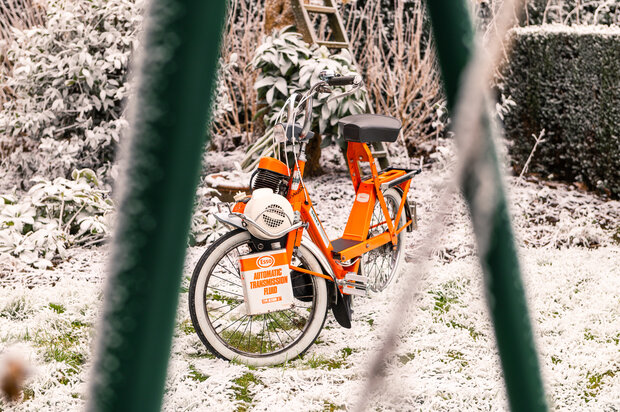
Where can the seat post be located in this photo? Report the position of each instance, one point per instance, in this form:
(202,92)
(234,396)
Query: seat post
(356,153)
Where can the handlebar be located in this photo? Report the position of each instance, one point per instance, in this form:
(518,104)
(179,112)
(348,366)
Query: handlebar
(344,80)
(333,81)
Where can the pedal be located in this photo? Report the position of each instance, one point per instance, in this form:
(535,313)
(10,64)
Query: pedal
(354,284)
(350,289)
(350,276)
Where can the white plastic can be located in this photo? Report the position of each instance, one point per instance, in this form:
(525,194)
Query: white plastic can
(266,280)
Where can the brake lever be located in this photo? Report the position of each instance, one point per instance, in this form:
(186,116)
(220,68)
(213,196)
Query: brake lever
(324,89)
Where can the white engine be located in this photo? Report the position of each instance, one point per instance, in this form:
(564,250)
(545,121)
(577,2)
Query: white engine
(272,212)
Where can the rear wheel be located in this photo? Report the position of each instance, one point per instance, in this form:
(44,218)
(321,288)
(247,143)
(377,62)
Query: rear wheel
(218,313)
(381,264)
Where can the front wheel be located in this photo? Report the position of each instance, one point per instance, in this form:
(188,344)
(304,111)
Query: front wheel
(381,264)
(218,313)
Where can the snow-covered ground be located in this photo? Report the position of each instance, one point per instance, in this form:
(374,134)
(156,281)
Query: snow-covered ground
(446,358)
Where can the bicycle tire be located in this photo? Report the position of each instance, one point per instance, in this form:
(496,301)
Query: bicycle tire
(380,265)
(208,300)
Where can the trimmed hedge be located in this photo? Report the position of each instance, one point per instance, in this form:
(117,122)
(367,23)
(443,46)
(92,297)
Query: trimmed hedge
(567,81)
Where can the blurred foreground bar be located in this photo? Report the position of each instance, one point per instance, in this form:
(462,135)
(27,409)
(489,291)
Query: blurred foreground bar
(453,36)
(176,76)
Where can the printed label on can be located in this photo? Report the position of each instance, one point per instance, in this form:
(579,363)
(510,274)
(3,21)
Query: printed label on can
(266,281)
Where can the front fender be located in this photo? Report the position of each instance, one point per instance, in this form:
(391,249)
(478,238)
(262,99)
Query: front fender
(229,220)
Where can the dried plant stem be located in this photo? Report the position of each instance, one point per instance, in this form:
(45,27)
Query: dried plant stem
(539,139)
(401,74)
(243,33)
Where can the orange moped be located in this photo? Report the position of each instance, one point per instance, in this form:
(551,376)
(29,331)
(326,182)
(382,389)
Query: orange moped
(260,294)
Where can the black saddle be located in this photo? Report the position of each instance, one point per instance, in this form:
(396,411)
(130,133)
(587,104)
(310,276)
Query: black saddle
(368,128)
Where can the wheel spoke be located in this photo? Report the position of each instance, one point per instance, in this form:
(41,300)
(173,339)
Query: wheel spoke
(227,312)
(244,330)
(226,280)
(224,291)
(262,336)
(380,264)
(233,265)
(244,316)
(284,329)
(289,318)
(274,329)
(223,265)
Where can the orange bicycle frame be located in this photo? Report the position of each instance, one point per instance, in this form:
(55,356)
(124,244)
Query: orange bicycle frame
(342,253)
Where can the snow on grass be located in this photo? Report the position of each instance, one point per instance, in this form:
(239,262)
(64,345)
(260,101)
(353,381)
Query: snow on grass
(446,358)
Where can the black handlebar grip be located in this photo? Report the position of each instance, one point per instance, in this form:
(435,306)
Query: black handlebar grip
(343,80)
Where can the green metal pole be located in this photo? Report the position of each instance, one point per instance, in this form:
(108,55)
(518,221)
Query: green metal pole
(175,84)
(453,36)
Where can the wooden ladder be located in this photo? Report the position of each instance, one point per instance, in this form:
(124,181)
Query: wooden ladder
(338,40)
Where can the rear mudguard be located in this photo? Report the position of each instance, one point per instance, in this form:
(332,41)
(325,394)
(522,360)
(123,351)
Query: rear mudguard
(340,304)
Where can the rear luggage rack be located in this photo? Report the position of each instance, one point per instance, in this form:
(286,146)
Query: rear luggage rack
(410,173)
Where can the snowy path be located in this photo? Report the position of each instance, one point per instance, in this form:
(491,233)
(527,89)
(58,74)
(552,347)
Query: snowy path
(446,359)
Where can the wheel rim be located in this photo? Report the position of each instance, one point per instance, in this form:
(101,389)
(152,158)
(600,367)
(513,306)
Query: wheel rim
(379,264)
(254,335)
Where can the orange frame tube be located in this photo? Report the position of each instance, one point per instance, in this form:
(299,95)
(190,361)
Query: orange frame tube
(367,192)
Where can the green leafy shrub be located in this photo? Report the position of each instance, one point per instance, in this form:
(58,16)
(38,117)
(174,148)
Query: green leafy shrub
(288,65)
(570,12)
(69,85)
(567,81)
(53,216)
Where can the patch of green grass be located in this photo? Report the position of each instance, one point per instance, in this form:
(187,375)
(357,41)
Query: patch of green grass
(17,309)
(454,355)
(9,337)
(320,362)
(555,360)
(406,358)
(205,355)
(285,320)
(62,348)
(578,285)
(542,262)
(241,389)
(57,307)
(371,321)
(331,407)
(185,285)
(229,300)
(588,335)
(443,301)
(251,343)
(472,332)
(595,382)
(28,393)
(186,327)
(196,375)
(78,324)
(270,332)
(60,352)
